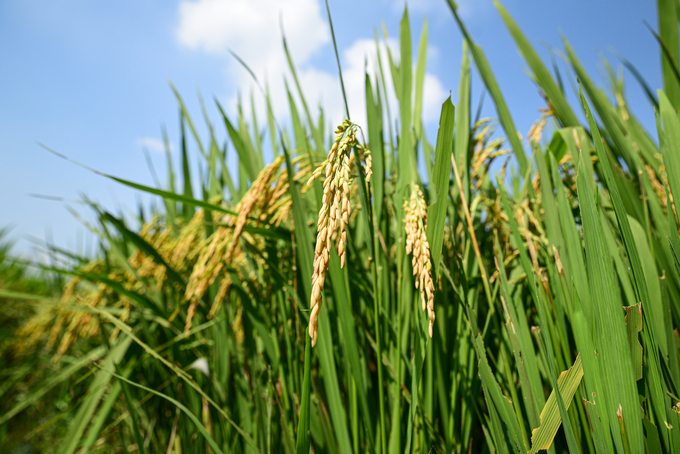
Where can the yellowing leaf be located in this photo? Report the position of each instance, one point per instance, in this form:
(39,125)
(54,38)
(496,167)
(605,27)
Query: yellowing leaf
(568,381)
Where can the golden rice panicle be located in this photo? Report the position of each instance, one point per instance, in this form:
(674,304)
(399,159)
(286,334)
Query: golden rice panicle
(365,154)
(536,131)
(222,249)
(416,242)
(333,215)
(257,196)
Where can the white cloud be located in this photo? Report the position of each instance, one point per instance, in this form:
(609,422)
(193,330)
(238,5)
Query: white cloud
(363,50)
(361,58)
(153,144)
(251,28)
(434,96)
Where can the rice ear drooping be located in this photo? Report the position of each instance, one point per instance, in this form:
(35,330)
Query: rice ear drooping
(335,210)
(415,221)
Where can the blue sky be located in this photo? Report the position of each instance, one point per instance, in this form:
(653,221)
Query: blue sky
(90,79)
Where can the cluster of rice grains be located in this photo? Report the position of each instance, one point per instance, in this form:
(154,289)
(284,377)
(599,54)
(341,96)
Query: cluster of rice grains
(201,259)
(267,201)
(66,321)
(335,210)
(415,220)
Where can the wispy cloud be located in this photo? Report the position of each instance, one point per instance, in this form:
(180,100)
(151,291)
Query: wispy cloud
(362,57)
(153,144)
(252,29)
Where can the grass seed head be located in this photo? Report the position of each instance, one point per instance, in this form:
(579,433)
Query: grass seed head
(334,213)
(263,202)
(415,221)
(365,154)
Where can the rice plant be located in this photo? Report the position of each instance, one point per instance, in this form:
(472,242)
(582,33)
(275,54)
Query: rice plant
(337,300)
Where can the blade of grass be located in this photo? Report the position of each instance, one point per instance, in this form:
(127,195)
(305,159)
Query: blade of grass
(540,73)
(185,114)
(126,329)
(316,132)
(653,319)
(668,37)
(145,247)
(375,140)
(609,329)
(573,377)
(237,139)
(337,59)
(197,422)
(343,305)
(303,441)
(407,157)
(490,82)
(568,381)
(419,83)
(306,257)
(462,137)
(436,212)
(52,381)
(187,210)
(170,206)
(528,381)
(94,394)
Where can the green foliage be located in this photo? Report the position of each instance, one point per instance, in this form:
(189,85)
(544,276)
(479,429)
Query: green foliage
(557,291)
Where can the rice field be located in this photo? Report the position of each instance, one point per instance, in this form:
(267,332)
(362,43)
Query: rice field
(343,298)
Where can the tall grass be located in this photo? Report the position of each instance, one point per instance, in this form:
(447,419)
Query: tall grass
(556,290)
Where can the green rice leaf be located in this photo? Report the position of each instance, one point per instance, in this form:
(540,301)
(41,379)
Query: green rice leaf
(349,341)
(185,115)
(436,213)
(306,258)
(303,441)
(58,377)
(375,141)
(419,83)
(490,82)
(668,37)
(540,73)
(462,138)
(634,326)
(244,156)
(652,318)
(145,247)
(493,392)
(187,201)
(567,382)
(197,423)
(611,340)
(127,330)
(407,157)
(95,393)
